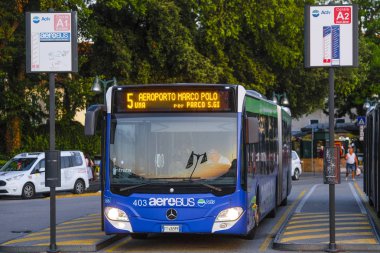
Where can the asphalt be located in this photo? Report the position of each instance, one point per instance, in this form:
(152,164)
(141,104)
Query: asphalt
(307,227)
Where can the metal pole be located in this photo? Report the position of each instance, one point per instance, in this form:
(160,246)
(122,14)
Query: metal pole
(104,92)
(103,149)
(312,149)
(332,244)
(53,245)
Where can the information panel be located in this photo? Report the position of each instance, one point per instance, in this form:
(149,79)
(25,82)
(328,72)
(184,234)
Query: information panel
(174,99)
(51,42)
(331,36)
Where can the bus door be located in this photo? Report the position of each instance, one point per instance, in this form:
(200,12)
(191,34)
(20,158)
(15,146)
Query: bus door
(251,142)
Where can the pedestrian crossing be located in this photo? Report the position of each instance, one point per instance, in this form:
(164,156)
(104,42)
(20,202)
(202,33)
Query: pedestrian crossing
(351,228)
(82,233)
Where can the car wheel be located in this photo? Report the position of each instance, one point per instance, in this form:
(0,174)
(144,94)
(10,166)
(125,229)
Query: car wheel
(28,191)
(79,187)
(296,175)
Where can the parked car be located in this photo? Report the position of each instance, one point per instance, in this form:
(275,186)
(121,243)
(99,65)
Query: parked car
(296,166)
(24,174)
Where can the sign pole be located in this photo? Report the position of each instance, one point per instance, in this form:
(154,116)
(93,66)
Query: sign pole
(332,244)
(53,209)
(56,33)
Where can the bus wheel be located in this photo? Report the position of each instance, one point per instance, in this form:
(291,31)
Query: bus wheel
(273,213)
(284,202)
(28,191)
(139,236)
(78,187)
(251,234)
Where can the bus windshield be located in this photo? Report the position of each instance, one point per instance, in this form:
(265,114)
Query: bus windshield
(176,148)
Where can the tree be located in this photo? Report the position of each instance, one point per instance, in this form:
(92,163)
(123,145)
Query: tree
(24,97)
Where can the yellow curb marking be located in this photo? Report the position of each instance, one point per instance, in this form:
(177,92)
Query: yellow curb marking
(327,224)
(326,235)
(325,229)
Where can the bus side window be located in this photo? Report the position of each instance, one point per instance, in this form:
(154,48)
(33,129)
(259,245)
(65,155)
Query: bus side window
(252,138)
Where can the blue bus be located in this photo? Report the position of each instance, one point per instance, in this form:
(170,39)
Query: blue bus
(191,158)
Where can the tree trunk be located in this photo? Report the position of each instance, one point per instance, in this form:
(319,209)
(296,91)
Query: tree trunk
(13,135)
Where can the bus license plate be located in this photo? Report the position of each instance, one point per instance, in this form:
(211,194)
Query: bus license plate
(171,228)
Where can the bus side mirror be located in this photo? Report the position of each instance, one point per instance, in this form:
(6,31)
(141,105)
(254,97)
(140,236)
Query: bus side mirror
(252,130)
(91,118)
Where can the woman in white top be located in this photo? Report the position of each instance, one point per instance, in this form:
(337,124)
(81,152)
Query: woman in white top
(351,161)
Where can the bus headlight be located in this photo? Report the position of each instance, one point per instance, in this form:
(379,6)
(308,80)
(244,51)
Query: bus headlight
(115,214)
(230,214)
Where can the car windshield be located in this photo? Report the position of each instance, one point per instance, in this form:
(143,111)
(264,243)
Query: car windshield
(18,164)
(176,148)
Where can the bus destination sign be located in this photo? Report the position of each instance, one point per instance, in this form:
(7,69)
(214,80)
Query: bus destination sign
(173,100)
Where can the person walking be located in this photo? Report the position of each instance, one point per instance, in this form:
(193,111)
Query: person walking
(351,163)
(90,165)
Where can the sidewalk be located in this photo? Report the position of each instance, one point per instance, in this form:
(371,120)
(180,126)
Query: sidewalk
(307,228)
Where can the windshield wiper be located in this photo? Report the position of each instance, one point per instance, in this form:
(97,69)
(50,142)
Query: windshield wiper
(133,187)
(184,180)
(211,186)
(149,182)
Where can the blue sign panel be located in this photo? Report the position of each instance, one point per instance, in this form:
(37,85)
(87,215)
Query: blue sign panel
(361,120)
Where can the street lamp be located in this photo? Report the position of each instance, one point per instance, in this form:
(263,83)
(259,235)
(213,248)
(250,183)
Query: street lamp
(281,99)
(96,87)
(368,103)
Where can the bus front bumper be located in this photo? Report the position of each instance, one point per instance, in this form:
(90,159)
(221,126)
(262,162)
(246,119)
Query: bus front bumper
(202,225)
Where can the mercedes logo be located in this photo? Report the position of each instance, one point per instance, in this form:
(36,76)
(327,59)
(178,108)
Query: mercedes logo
(171,214)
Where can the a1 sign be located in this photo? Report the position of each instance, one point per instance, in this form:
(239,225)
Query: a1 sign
(62,22)
(342,15)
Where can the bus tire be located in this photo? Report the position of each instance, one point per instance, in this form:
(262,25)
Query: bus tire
(250,235)
(79,187)
(284,202)
(139,236)
(272,214)
(28,191)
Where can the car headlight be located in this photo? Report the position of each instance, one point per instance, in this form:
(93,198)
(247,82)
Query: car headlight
(15,178)
(230,214)
(116,214)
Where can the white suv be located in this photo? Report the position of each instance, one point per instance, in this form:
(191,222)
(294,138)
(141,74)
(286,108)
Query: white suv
(296,166)
(24,174)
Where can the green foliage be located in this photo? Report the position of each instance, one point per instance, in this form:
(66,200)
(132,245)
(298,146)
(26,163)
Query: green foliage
(69,136)
(164,41)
